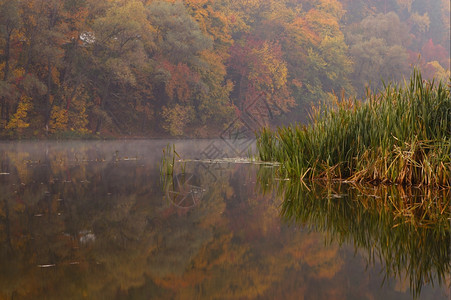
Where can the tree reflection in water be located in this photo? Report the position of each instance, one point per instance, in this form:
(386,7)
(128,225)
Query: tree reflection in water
(91,220)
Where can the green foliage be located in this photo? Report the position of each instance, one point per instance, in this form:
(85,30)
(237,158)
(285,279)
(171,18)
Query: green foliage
(167,164)
(179,37)
(378,47)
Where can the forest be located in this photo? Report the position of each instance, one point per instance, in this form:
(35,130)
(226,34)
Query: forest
(153,68)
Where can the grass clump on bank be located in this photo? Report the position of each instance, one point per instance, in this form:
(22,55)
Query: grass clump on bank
(400,135)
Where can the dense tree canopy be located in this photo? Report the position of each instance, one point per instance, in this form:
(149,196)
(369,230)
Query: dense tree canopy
(188,68)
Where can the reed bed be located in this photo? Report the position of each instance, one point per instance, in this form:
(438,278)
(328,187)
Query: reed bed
(400,135)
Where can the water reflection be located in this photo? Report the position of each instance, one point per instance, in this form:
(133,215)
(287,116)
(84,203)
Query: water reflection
(408,230)
(91,220)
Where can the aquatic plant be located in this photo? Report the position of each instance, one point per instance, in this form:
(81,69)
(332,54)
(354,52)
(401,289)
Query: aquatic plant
(400,135)
(168,160)
(167,164)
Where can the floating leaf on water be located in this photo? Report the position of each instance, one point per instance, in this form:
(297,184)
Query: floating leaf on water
(46,266)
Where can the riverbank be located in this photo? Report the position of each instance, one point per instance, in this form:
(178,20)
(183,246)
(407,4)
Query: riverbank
(401,135)
(203,132)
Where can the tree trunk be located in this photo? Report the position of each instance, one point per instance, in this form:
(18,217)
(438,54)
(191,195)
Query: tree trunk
(48,105)
(6,73)
(103,104)
(7,55)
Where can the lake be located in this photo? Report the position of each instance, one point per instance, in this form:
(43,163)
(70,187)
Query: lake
(97,220)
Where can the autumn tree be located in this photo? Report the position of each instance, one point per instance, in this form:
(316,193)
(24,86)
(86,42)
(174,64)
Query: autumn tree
(118,42)
(215,107)
(185,58)
(312,47)
(10,24)
(190,67)
(328,62)
(378,47)
(261,73)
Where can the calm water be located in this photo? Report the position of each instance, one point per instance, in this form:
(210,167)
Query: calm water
(94,220)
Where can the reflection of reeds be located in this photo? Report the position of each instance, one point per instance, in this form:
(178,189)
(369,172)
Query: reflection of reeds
(408,230)
(402,135)
(167,165)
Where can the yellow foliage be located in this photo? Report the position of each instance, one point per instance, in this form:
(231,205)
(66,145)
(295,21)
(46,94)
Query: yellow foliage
(211,21)
(55,75)
(19,72)
(77,115)
(332,7)
(272,70)
(58,119)
(406,4)
(176,118)
(18,121)
(323,22)
(440,74)
(2,68)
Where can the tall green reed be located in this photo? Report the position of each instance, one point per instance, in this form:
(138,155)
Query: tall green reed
(168,165)
(400,135)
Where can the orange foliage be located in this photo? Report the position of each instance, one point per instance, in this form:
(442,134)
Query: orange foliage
(180,82)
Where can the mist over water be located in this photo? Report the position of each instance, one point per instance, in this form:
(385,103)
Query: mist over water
(95,220)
